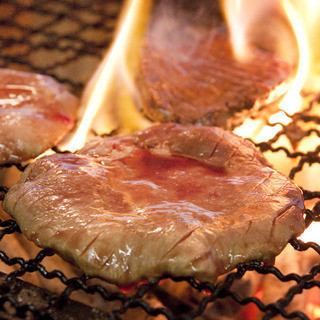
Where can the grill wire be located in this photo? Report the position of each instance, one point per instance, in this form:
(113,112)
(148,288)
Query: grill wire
(65,39)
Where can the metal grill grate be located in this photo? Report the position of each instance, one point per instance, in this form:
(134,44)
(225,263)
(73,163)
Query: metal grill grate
(65,39)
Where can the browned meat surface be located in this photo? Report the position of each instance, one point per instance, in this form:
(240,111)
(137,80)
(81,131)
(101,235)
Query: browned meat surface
(178,200)
(35,113)
(188,72)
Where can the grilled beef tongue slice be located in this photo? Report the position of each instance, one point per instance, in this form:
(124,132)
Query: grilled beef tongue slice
(188,73)
(170,200)
(35,113)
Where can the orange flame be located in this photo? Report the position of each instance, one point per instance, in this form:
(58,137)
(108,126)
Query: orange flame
(314,311)
(113,74)
(240,21)
(292,101)
(303,18)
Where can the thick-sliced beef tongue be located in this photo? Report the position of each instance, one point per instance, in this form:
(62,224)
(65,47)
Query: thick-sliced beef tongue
(35,113)
(178,200)
(189,73)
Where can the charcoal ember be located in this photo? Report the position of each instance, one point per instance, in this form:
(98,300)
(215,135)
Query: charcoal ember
(23,293)
(36,112)
(158,202)
(188,72)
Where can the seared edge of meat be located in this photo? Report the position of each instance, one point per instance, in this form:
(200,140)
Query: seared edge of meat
(204,251)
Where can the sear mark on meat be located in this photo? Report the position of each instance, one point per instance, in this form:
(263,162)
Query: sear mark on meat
(35,114)
(158,202)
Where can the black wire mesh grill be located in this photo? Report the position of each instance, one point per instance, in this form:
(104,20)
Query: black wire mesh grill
(65,39)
